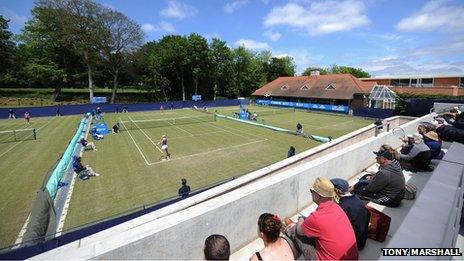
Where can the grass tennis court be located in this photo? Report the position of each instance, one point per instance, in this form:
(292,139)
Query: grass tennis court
(132,172)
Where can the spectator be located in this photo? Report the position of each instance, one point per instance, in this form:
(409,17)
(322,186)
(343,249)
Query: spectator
(275,247)
(299,128)
(434,144)
(95,134)
(172,106)
(12,114)
(87,145)
(330,234)
(355,210)
(184,191)
(291,152)
(116,109)
(386,187)
(406,147)
(83,171)
(217,247)
(116,128)
(124,109)
(394,153)
(418,158)
(58,112)
(450,133)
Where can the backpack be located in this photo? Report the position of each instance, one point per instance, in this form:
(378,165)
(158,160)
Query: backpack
(410,191)
(379,224)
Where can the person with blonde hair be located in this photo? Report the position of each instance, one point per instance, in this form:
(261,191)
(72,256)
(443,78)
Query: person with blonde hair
(164,147)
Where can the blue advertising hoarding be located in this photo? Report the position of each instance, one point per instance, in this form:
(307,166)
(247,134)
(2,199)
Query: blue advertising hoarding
(304,105)
(98,100)
(196,97)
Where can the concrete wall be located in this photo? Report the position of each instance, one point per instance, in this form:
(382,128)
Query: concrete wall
(181,235)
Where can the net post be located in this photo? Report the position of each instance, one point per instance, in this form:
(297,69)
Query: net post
(34,133)
(214,116)
(14,135)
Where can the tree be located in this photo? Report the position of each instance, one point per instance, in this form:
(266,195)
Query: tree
(322,71)
(356,72)
(278,67)
(119,38)
(78,23)
(7,46)
(197,57)
(221,66)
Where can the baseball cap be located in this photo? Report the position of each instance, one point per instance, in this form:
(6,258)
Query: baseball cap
(340,184)
(384,153)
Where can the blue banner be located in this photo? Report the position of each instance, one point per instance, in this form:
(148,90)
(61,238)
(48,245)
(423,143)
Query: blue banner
(196,97)
(304,105)
(98,100)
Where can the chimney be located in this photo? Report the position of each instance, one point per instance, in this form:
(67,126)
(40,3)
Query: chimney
(315,73)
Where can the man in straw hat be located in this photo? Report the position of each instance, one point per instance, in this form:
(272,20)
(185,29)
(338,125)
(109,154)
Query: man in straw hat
(418,159)
(327,232)
(433,142)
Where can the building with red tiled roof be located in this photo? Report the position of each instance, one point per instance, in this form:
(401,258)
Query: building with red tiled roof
(334,89)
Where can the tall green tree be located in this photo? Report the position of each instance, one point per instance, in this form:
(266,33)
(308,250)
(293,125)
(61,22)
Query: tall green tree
(198,58)
(120,37)
(7,46)
(356,72)
(221,67)
(278,67)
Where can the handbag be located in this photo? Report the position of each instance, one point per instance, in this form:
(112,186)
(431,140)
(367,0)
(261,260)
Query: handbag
(379,224)
(410,191)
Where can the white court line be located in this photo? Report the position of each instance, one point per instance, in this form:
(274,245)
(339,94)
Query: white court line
(181,129)
(23,140)
(146,135)
(141,153)
(222,128)
(243,136)
(201,134)
(207,152)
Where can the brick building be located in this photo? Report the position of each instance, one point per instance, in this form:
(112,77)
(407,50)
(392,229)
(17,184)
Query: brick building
(452,85)
(332,89)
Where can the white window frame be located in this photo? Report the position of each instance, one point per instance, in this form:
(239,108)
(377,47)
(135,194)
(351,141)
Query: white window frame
(304,87)
(330,87)
(284,87)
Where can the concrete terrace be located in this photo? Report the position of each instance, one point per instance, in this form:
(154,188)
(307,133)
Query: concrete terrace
(178,231)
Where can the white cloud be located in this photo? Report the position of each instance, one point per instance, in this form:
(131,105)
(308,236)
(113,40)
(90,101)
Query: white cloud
(162,26)
(272,36)
(251,44)
(234,5)
(435,15)
(303,59)
(319,17)
(15,19)
(178,10)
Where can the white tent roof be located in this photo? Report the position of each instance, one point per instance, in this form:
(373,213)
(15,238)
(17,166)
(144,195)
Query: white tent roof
(382,92)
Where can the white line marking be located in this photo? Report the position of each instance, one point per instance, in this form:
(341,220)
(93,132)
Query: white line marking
(181,129)
(146,135)
(141,153)
(201,134)
(221,128)
(26,138)
(207,152)
(19,239)
(247,133)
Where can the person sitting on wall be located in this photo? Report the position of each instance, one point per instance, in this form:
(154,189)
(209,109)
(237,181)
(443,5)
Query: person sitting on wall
(275,247)
(408,142)
(418,158)
(84,172)
(355,210)
(184,191)
(386,186)
(299,128)
(116,128)
(124,109)
(216,247)
(326,234)
(87,145)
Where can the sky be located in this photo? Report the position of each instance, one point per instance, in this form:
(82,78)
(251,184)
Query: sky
(383,37)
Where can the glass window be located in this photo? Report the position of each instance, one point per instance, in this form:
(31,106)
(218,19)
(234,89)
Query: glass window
(461,82)
(404,82)
(427,82)
(395,82)
(414,83)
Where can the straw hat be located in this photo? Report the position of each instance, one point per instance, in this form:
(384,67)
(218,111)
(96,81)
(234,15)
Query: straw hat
(323,187)
(432,135)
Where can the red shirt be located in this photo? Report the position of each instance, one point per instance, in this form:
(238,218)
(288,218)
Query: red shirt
(329,225)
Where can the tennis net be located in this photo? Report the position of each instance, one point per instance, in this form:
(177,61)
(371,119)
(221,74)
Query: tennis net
(157,123)
(274,111)
(17,135)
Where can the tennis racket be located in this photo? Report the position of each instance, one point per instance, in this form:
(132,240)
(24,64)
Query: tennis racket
(399,133)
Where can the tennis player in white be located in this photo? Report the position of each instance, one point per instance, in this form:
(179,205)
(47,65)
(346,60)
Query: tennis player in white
(164,147)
